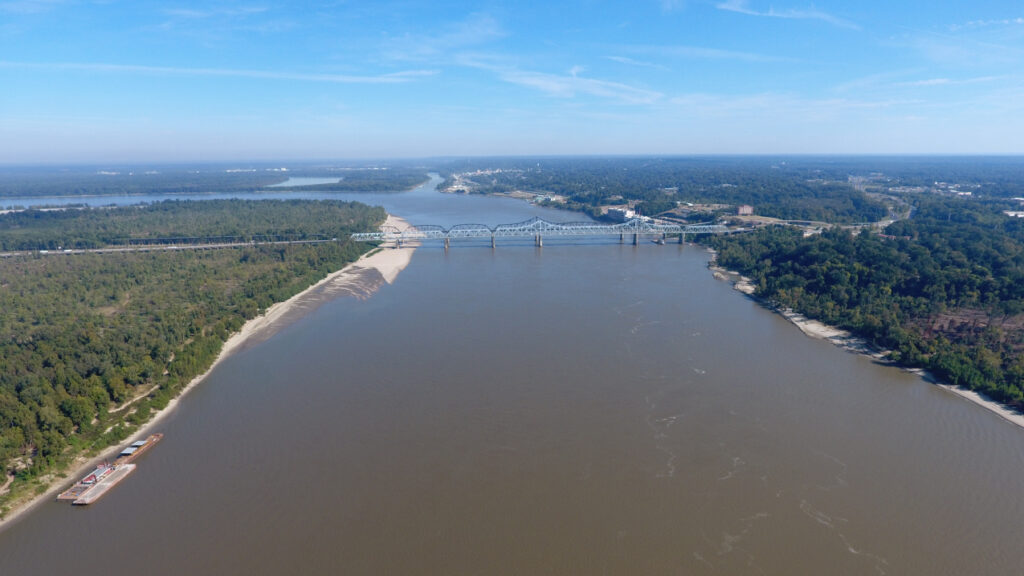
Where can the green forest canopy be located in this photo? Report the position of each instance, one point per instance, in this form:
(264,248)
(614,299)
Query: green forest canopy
(944,290)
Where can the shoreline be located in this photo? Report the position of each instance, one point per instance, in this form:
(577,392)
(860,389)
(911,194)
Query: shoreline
(359,278)
(857,345)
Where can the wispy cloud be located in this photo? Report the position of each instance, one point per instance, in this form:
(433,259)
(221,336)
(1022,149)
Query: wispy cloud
(638,63)
(743,7)
(900,79)
(1019,21)
(966,49)
(699,53)
(391,78)
(475,30)
(783,105)
(29,6)
(950,81)
(567,85)
(216,23)
(215,12)
(874,81)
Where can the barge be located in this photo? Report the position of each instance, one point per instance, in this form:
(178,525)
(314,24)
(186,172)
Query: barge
(106,475)
(88,481)
(116,474)
(136,449)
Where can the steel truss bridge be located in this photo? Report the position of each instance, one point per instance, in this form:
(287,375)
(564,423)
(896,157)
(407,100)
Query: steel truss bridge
(538,229)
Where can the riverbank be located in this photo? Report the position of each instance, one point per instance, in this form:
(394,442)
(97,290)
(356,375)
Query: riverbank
(852,343)
(360,279)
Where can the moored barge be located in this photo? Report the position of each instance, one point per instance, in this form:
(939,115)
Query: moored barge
(106,475)
(136,449)
(117,473)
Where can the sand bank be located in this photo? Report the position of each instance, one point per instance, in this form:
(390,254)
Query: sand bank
(360,279)
(848,341)
(1005,412)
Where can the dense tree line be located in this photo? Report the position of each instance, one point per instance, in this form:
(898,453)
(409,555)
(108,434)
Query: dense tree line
(83,335)
(943,290)
(989,176)
(240,220)
(772,186)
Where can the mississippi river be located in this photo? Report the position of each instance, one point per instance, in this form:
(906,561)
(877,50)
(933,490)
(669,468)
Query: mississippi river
(584,408)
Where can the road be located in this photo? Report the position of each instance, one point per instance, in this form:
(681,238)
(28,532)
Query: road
(159,248)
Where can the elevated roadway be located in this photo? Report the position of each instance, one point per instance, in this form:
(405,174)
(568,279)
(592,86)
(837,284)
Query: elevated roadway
(538,229)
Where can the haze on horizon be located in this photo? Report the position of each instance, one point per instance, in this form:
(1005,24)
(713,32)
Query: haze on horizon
(119,81)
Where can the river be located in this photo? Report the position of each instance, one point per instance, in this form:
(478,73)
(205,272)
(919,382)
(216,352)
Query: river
(582,408)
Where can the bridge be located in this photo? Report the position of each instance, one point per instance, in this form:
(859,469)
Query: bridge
(538,229)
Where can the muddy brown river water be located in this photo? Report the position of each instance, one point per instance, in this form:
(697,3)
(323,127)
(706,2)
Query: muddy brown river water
(585,408)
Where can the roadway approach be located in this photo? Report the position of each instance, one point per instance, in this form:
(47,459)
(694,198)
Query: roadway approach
(538,229)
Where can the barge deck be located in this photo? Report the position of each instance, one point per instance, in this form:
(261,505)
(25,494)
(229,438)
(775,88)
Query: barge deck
(100,488)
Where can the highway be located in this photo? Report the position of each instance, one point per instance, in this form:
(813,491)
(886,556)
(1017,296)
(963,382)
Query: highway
(114,249)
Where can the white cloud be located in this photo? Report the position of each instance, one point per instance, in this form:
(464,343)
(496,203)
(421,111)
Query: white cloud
(874,81)
(570,86)
(475,30)
(987,23)
(639,63)
(699,53)
(391,78)
(781,105)
(965,50)
(29,6)
(563,86)
(929,82)
(743,7)
(949,81)
(214,12)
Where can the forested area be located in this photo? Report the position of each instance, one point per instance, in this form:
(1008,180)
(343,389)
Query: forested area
(773,186)
(83,335)
(234,220)
(991,176)
(943,290)
(80,181)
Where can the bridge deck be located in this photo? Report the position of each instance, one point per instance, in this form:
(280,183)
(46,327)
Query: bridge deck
(535,228)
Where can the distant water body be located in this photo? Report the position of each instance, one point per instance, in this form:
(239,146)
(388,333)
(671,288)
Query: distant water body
(133,199)
(304,181)
(582,408)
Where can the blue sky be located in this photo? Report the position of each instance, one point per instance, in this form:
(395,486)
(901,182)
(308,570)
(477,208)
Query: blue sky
(134,80)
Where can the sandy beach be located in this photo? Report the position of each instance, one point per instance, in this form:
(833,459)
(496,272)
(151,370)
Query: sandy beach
(360,279)
(848,341)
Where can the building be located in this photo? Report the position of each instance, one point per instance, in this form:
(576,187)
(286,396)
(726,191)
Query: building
(745,210)
(619,214)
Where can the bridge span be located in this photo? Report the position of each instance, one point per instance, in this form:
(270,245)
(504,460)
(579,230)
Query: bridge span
(538,229)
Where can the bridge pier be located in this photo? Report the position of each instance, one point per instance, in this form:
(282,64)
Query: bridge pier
(492,242)
(682,237)
(636,239)
(446,239)
(622,237)
(539,241)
